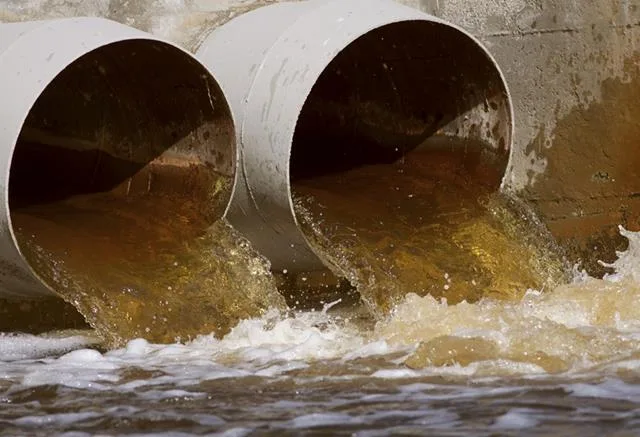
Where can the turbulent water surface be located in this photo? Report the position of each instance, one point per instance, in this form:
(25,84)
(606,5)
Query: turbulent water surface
(460,318)
(565,362)
(560,362)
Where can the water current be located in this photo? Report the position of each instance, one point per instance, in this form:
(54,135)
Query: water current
(151,266)
(475,324)
(431,222)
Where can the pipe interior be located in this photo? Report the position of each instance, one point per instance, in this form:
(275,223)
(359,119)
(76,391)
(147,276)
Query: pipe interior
(394,88)
(401,135)
(128,153)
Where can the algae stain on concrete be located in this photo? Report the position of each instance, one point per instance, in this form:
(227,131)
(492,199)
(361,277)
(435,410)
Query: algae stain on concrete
(592,180)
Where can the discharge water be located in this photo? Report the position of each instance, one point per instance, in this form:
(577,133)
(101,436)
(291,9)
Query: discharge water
(430,223)
(150,263)
(476,327)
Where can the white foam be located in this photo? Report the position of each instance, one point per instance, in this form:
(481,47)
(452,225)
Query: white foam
(235,432)
(609,389)
(161,395)
(136,348)
(517,418)
(23,346)
(55,419)
(311,335)
(626,264)
(269,346)
(395,374)
(322,419)
(83,357)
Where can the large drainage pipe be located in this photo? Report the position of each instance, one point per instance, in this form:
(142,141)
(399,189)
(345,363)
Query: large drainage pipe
(319,86)
(91,106)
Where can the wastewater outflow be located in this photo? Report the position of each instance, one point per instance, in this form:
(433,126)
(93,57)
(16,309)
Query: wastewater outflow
(394,179)
(395,186)
(436,302)
(431,223)
(120,175)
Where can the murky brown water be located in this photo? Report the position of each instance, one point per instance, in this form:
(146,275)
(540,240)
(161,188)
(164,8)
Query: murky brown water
(432,223)
(511,350)
(146,264)
(560,363)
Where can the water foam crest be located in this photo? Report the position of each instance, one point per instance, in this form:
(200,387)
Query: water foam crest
(628,263)
(575,326)
(15,347)
(303,336)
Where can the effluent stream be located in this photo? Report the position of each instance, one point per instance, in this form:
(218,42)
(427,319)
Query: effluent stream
(150,267)
(465,320)
(431,223)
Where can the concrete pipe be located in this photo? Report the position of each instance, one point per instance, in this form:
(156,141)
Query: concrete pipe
(92,106)
(308,80)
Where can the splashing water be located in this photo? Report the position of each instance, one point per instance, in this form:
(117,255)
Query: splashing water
(586,325)
(566,360)
(466,337)
(145,267)
(428,224)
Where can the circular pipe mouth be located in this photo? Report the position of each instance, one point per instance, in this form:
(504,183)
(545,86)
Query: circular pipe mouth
(128,153)
(392,91)
(402,137)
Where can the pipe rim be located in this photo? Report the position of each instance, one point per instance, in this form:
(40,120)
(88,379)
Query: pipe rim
(87,35)
(302,30)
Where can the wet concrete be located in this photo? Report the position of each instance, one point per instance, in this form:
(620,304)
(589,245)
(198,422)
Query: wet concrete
(592,180)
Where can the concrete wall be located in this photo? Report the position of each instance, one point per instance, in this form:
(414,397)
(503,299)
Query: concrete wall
(572,66)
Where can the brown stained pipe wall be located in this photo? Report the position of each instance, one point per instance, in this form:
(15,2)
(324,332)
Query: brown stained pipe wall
(572,70)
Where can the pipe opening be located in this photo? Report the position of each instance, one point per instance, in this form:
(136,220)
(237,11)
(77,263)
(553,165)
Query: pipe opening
(397,155)
(133,119)
(393,89)
(125,159)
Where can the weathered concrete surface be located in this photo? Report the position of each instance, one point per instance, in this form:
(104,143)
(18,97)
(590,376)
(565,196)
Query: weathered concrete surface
(186,22)
(573,73)
(574,77)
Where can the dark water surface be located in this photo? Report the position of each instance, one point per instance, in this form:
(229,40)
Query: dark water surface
(193,390)
(473,326)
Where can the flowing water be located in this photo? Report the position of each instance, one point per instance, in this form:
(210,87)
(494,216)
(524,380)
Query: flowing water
(473,324)
(431,223)
(145,266)
(564,362)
